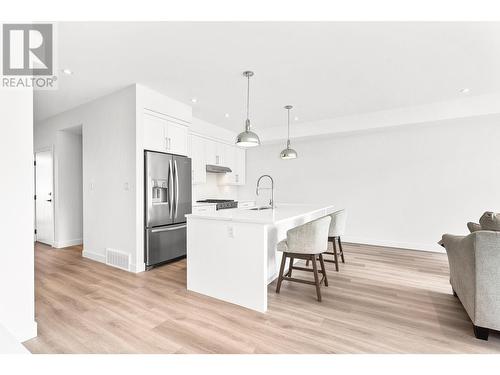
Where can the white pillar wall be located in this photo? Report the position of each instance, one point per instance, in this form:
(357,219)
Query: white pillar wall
(17,299)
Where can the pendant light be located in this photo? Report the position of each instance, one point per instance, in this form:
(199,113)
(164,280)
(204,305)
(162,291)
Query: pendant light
(248,138)
(288,153)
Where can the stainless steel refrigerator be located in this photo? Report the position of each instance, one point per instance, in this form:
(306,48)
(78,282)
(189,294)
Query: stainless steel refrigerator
(168,200)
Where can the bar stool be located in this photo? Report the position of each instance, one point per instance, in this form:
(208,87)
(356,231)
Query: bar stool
(306,242)
(336,230)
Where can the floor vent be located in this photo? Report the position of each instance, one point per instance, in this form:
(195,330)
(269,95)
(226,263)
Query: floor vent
(117,259)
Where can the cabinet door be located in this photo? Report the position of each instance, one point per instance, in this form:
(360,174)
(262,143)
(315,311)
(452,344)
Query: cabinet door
(210,152)
(154,134)
(177,136)
(228,156)
(198,164)
(230,161)
(240,176)
(222,154)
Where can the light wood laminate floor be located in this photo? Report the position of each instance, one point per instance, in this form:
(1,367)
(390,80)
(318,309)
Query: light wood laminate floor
(382,301)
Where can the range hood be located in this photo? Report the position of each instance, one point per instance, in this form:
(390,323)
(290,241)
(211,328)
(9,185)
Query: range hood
(218,169)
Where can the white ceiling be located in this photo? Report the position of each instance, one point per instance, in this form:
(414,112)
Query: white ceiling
(325,70)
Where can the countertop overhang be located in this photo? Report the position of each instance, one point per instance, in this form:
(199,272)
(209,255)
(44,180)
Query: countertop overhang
(281,212)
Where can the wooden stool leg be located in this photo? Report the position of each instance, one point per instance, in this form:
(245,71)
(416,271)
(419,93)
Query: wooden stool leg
(341,250)
(280,277)
(316,278)
(322,263)
(290,267)
(335,256)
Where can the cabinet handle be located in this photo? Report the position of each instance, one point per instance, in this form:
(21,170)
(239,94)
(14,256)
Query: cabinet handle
(166,143)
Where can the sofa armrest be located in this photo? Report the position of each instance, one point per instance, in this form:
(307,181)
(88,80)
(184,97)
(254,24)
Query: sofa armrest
(460,251)
(487,271)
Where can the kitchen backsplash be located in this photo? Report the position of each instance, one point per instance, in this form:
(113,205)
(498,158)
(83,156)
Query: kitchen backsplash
(211,190)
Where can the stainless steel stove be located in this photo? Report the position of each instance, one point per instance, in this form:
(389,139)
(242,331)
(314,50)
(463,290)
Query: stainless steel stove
(221,204)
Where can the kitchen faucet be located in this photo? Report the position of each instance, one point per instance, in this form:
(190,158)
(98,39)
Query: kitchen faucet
(271,202)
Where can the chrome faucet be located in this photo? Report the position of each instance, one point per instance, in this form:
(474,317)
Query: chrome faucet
(271,202)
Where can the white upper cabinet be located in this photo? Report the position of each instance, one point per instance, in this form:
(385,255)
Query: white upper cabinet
(240,166)
(237,165)
(154,134)
(177,138)
(211,156)
(205,151)
(164,135)
(198,164)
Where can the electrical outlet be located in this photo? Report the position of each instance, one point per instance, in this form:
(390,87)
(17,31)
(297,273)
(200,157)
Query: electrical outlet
(230,232)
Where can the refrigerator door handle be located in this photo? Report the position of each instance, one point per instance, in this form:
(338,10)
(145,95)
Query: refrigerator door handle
(176,177)
(168,229)
(170,189)
(149,192)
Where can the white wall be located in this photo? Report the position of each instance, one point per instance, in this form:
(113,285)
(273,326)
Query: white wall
(109,169)
(17,300)
(402,186)
(68,189)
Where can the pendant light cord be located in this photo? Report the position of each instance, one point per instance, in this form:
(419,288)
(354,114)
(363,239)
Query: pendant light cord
(288,140)
(248,97)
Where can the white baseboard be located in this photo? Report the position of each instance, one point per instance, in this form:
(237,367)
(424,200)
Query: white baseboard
(433,248)
(102,259)
(94,256)
(137,268)
(68,243)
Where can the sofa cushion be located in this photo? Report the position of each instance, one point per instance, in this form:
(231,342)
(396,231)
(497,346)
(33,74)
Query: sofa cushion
(473,227)
(490,221)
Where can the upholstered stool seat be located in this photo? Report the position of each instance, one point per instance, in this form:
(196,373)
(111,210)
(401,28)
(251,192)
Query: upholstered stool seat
(335,232)
(306,242)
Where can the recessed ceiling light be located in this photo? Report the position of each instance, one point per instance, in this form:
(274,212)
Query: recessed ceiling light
(194,100)
(464,90)
(226,115)
(67,71)
(296,118)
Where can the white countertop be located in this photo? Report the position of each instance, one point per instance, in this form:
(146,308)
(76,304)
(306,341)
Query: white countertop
(281,212)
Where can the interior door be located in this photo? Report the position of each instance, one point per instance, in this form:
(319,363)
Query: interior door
(44,204)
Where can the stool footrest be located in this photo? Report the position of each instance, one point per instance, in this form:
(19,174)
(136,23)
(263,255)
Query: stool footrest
(304,269)
(298,280)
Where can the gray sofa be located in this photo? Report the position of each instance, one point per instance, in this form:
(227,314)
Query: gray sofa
(475,273)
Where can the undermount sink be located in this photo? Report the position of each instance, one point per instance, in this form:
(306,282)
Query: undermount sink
(260,208)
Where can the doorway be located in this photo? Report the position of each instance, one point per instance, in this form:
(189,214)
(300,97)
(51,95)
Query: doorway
(44,197)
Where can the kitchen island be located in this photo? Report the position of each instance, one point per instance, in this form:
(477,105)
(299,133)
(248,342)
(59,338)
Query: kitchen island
(231,254)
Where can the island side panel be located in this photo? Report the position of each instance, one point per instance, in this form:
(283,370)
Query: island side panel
(228,260)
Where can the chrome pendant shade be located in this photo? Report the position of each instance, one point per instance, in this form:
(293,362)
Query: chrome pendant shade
(288,152)
(248,138)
